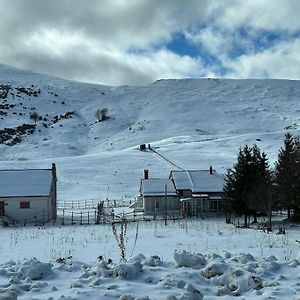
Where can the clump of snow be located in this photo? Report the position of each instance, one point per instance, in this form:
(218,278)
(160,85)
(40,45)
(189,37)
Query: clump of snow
(153,261)
(126,297)
(170,281)
(214,268)
(191,293)
(128,270)
(294,263)
(243,258)
(8,295)
(184,259)
(35,269)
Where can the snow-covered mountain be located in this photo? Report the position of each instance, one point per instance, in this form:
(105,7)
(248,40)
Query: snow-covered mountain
(194,123)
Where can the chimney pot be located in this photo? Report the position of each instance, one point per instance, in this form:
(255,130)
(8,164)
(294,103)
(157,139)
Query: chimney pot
(146,174)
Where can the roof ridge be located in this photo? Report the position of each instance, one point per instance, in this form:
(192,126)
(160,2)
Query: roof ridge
(191,180)
(13,170)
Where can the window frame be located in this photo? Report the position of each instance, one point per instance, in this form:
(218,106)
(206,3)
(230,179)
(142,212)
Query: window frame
(24,204)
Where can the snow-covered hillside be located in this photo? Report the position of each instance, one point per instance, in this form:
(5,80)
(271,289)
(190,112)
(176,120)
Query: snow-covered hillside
(193,122)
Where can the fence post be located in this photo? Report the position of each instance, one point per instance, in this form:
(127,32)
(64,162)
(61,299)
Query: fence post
(72,218)
(88,218)
(81,218)
(43,217)
(63,218)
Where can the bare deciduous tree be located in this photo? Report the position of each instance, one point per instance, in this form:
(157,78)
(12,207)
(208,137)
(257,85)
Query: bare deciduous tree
(102,114)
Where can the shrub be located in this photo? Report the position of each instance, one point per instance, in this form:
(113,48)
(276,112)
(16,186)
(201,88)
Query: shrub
(102,114)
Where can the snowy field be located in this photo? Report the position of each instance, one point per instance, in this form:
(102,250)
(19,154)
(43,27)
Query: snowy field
(189,259)
(194,124)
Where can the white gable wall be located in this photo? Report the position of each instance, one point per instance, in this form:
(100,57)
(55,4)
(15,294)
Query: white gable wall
(40,207)
(37,186)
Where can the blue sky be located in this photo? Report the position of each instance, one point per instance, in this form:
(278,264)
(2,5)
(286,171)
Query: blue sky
(139,41)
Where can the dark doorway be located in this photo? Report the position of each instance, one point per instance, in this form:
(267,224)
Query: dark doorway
(2,208)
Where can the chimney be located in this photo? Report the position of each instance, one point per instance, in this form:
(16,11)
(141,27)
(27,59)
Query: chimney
(210,170)
(146,174)
(53,170)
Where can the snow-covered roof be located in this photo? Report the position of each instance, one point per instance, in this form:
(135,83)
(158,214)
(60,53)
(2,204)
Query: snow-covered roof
(18,183)
(198,181)
(156,187)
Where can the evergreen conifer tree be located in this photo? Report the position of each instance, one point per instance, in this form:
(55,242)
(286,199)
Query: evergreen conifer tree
(287,174)
(248,184)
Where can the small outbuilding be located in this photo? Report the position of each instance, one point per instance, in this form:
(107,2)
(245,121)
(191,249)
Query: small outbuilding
(28,195)
(158,195)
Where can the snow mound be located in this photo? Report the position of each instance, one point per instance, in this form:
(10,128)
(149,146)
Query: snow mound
(191,293)
(128,270)
(35,269)
(153,261)
(184,259)
(191,277)
(8,295)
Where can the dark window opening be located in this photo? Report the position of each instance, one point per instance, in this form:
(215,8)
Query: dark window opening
(214,205)
(25,204)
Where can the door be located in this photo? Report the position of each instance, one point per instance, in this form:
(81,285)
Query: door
(1,208)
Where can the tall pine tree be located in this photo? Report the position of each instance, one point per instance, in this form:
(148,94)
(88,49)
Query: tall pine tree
(287,174)
(247,184)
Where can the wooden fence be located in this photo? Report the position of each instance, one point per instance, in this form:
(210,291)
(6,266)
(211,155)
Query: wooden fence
(89,204)
(107,217)
(90,212)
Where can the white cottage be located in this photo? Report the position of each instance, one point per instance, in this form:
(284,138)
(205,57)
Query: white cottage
(158,195)
(200,190)
(28,195)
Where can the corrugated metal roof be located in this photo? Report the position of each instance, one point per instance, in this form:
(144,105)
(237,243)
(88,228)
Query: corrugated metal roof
(156,187)
(18,183)
(198,181)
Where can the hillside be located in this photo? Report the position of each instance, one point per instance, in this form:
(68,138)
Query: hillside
(193,122)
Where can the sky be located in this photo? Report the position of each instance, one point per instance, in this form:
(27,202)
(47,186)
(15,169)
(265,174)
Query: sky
(136,42)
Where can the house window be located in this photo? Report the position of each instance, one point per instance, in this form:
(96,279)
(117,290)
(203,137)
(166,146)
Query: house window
(214,205)
(156,204)
(25,204)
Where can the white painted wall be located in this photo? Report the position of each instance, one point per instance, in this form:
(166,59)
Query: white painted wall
(39,207)
(171,203)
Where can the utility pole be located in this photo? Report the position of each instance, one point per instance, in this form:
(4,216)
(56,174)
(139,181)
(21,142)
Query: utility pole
(165,205)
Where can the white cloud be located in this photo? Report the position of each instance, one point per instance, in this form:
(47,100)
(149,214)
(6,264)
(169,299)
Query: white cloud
(225,38)
(281,61)
(91,40)
(261,14)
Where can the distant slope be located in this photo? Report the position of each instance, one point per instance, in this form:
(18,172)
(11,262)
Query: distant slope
(192,121)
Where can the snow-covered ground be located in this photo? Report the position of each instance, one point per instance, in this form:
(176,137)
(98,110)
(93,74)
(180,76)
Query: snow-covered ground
(181,260)
(194,123)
